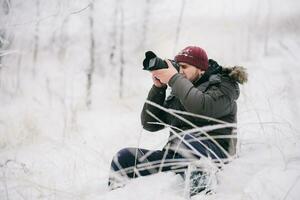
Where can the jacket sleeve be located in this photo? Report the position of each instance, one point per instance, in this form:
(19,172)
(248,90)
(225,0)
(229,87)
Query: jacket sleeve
(212,103)
(156,95)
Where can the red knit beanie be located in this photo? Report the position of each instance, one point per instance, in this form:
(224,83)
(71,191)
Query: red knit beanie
(193,55)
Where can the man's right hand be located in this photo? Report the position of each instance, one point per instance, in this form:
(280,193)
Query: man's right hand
(157,82)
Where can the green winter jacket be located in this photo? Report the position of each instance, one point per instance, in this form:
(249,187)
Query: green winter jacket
(214,95)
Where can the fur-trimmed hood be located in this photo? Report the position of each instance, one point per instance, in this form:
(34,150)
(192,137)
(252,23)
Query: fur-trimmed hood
(228,77)
(230,86)
(236,73)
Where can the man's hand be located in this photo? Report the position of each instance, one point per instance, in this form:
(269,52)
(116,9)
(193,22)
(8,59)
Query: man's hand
(157,82)
(164,75)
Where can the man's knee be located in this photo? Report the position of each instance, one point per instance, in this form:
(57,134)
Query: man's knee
(123,158)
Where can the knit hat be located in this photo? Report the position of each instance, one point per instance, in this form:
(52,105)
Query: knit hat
(193,55)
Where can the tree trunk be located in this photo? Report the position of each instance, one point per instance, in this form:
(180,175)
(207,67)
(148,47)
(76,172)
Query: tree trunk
(178,29)
(122,62)
(36,37)
(114,35)
(92,57)
(3,38)
(145,24)
(268,26)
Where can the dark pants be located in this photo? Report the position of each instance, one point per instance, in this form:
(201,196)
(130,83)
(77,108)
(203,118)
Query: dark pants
(135,162)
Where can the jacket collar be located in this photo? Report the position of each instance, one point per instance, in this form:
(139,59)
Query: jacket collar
(213,69)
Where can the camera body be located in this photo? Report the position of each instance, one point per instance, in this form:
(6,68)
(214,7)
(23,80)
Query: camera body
(152,62)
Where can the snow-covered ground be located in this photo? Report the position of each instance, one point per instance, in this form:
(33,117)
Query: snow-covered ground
(53,147)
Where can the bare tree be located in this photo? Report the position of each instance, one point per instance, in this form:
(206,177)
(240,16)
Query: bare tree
(251,27)
(268,27)
(91,68)
(4,37)
(63,38)
(122,62)
(114,34)
(145,23)
(5,7)
(178,29)
(36,36)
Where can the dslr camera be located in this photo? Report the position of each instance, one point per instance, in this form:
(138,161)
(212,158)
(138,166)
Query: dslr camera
(152,62)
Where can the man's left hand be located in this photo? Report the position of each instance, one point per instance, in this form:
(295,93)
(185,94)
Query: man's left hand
(164,75)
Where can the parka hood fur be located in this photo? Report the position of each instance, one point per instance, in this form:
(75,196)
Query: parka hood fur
(236,73)
(231,76)
(228,77)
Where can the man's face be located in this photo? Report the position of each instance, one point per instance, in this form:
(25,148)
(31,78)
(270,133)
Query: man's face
(189,71)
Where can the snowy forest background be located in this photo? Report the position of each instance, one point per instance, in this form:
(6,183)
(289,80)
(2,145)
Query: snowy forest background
(72,88)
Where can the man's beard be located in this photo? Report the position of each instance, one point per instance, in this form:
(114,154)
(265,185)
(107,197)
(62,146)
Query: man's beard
(197,77)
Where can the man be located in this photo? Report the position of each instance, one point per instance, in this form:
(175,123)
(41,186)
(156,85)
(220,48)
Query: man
(200,111)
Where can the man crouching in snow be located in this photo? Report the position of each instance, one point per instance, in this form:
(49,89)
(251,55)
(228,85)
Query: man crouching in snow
(200,111)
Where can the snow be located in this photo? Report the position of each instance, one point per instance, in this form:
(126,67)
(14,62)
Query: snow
(53,147)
